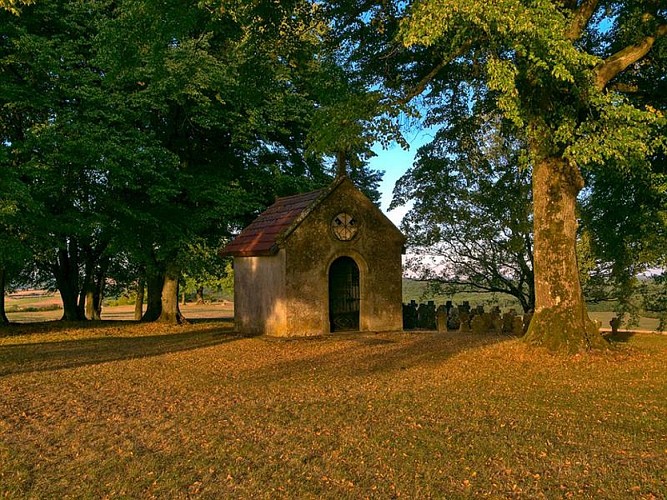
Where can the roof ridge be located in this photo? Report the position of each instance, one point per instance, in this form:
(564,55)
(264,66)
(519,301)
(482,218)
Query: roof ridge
(298,195)
(264,235)
(267,233)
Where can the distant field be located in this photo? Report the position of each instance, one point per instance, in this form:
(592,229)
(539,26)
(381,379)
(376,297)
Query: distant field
(129,410)
(27,307)
(17,304)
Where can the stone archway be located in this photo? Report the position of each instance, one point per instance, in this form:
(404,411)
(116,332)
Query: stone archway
(344,295)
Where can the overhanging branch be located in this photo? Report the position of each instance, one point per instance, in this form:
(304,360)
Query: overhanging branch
(616,63)
(423,83)
(580,19)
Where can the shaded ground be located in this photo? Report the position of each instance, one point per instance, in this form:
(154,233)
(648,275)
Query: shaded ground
(133,410)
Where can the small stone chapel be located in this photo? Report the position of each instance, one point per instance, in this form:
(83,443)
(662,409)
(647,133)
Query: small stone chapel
(316,263)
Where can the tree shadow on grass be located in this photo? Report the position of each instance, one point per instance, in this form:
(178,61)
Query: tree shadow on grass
(364,354)
(48,356)
(619,337)
(427,349)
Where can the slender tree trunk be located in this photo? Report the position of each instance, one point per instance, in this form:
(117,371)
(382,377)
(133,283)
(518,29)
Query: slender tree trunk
(94,304)
(139,300)
(170,311)
(525,303)
(154,283)
(98,285)
(97,303)
(94,276)
(4,320)
(341,163)
(85,306)
(90,306)
(81,302)
(170,306)
(84,309)
(560,321)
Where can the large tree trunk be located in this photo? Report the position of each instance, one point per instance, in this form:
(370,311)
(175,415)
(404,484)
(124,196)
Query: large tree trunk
(69,295)
(155,280)
(66,272)
(4,320)
(139,300)
(170,311)
(200,295)
(560,321)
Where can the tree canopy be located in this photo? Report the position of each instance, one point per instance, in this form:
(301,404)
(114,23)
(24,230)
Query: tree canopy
(138,129)
(470,223)
(563,74)
(135,128)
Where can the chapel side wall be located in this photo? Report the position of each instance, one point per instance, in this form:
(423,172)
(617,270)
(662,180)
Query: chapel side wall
(307,284)
(384,291)
(259,295)
(311,249)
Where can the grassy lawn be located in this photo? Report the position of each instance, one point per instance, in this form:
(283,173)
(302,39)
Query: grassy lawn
(134,410)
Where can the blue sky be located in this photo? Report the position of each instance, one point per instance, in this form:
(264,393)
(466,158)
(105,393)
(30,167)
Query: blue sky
(395,161)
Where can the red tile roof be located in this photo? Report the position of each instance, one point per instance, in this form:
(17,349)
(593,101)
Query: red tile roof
(262,235)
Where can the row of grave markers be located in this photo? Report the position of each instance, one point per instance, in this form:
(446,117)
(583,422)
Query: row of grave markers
(449,318)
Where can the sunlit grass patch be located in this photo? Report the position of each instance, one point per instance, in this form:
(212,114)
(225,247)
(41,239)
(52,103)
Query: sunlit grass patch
(199,411)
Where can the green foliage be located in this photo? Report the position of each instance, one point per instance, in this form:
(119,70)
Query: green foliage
(203,268)
(139,129)
(580,83)
(539,76)
(654,292)
(470,224)
(13,6)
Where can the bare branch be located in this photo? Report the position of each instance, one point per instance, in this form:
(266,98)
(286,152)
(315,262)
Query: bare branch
(617,62)
(423,83)
(581,17)
(421,86)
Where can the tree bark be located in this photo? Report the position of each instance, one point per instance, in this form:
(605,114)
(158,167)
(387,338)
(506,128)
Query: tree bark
(66,272)
(560,322)
(81,305)
(200,295)
(341,164)
(98,285)
(85,305)
(139,300)
(171,313)
(4,320)
(154,283)
(96,265)
(618,62)
(69,295)
(94,303)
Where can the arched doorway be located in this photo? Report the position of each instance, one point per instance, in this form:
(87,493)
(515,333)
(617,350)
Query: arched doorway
(344,295)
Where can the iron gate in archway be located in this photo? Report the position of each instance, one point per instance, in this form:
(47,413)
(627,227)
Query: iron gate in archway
(344,295)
